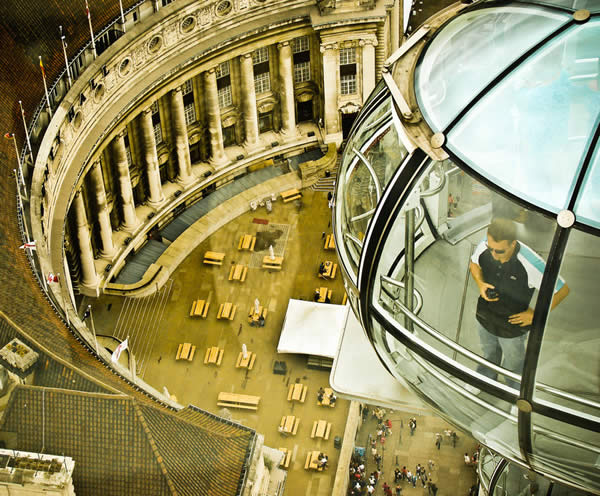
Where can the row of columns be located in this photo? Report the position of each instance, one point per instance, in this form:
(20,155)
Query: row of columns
(218,158)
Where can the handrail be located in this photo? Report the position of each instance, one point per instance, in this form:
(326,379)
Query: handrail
(476,358)
(401,285)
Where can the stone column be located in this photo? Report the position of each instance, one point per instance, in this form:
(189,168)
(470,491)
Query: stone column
(182,146)
(249,101)
(330,93)
(368,66)
(217,154)
(288,103)
(89,278)
(108,248)
(155,196)
(396,27)
(130,220)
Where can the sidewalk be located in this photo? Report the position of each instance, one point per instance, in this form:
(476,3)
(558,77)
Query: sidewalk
(449,472)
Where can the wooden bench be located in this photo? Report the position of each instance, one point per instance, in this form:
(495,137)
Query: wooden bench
(321,428)
(312,461)
(214,257)
(238,272)
(324,294)
(245,363)
(233,400)
(226,311)
(185,351)
(247,242)
(289,425)
(272,263)
(199,309)
(297,392)
(330,270)
(290,195)
(330,242)
(327,398)
(287,455)
(253,317)
(214,355)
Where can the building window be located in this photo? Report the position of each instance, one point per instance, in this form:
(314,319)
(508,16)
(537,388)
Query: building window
(224,84)
(187,87)
(188,102)
(348,56)
(222,69)
(262,82)
(348,84)
(348,71)
(225,99)
(158,137)
(301,72)
(300,45)
(261,55)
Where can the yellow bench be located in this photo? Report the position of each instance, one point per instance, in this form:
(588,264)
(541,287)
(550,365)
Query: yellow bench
(297,392)
(214,355)
(330,242)
(185,351)
(199,309)
(272,263)
(226,311)
(290,195)
(246,363)
(233,400)
(247,242)
(214,257)
(238,273)
(287,455)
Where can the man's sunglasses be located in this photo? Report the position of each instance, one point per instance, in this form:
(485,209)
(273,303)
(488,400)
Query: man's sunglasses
(494,250)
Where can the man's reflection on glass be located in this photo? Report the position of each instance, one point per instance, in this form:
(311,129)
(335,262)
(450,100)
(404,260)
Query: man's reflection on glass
(507,273)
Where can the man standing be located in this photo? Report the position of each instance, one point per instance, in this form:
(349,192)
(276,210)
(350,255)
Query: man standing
(507,273)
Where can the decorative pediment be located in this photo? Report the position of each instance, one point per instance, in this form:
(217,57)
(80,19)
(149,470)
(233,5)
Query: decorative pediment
(349,108)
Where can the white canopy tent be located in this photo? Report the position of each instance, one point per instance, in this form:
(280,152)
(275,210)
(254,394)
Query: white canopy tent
(312,328)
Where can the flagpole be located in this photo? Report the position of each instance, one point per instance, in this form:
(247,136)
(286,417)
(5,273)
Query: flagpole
(26,132)
(87,10)
(12,137)
(20,205)
(64,47)
(45,86)
(93,328)
(122,15)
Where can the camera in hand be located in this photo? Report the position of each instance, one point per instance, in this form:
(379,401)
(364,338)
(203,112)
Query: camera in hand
(491,293)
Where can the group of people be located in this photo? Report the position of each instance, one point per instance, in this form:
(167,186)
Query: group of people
(321,395)
(359,482)
(322,461)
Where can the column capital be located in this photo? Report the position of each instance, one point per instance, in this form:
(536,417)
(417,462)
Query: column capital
(283,44)
(147,110)
(246,55)
(177,90)
(212,70)
(372,40)
(328,46)
(120,134)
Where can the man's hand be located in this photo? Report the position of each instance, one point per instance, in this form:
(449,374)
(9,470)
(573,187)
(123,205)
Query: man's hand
(522,319)
(483,287)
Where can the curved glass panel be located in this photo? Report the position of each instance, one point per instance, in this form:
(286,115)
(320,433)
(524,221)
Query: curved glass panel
(475,269)
(587,208)
(471,51)
(565,449)
(517,481)
(591,5)
(491,423)
(488,461)
(372,154)
(529,133)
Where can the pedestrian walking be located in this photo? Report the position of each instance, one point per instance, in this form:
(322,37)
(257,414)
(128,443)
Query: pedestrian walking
(438,440)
